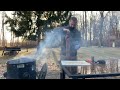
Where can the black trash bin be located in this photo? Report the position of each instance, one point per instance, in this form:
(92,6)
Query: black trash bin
(23,68)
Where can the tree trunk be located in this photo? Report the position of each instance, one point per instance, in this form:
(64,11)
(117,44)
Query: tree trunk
(85,29)
(27,45)
(13,40)
(3,37)
(101,28)
(90,27)
(39,34)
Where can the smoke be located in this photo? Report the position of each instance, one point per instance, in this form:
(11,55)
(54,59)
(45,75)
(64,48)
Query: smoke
(52,40)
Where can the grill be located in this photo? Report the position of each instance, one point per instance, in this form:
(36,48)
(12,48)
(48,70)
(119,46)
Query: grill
(23,68)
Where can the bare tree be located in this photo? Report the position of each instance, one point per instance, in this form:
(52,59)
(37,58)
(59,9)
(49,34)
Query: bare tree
(91,22)
(3,37)
(85,28)
(101,28)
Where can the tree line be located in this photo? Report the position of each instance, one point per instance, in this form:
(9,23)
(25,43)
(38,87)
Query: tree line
(31,24)
(98,28)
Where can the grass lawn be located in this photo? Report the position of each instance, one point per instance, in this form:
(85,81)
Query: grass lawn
(99,53)
(53,71)
(83,53)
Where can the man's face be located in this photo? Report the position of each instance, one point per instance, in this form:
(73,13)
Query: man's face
(72,23)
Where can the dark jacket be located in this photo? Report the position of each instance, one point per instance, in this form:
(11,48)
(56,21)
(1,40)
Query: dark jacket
(74,39)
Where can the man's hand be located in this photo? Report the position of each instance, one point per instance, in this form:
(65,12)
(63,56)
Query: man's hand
(66,30)
(77,47)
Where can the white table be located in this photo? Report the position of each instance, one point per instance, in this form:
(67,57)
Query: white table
(70,63)
(74,63)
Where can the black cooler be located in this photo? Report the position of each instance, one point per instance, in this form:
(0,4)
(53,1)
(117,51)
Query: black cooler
(23,68)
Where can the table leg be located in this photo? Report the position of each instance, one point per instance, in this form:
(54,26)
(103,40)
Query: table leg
(62,74)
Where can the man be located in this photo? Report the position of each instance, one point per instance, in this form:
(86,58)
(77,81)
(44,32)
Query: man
(71,43)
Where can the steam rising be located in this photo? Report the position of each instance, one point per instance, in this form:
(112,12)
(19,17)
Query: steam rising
(52,40)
